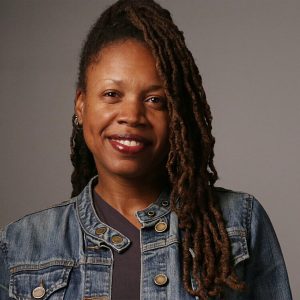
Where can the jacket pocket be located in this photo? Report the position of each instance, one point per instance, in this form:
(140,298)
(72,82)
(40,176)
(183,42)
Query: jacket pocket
(45,281)
(238,240)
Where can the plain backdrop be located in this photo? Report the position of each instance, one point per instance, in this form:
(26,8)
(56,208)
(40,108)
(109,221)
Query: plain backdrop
(248,54)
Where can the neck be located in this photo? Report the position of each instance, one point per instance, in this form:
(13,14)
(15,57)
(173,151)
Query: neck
(129,195)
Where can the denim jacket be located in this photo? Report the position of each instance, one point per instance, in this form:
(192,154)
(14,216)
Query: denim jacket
(65,252)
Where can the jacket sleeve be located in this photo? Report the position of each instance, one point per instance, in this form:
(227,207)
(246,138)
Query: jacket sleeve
(4,276)
(266,274)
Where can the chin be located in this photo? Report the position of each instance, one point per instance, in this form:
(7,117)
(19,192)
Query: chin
(125,168)
(131,173)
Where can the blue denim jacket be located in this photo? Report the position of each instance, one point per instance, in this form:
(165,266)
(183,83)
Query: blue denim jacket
(65,252)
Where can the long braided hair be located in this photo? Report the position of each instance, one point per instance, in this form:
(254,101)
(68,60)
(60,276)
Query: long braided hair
(191,172)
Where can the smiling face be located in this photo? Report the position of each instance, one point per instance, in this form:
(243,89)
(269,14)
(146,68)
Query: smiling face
(123,112)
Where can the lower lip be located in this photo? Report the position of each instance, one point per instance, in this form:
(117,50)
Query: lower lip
(126,149)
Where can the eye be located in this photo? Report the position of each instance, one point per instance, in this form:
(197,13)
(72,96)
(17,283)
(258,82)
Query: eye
(157,102)
(154,99)
(111,94)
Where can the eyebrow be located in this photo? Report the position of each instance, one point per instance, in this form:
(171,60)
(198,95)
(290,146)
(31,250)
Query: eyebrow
(153,87)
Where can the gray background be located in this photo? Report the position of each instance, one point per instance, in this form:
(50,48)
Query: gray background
(248,54)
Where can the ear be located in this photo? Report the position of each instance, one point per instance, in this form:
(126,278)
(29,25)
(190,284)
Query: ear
(79,105)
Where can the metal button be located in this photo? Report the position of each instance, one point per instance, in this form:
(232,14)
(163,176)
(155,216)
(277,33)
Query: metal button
(165,203)
(116,239)
(151,213)
(161,226)
(160,279)
(100,230)
(39,292)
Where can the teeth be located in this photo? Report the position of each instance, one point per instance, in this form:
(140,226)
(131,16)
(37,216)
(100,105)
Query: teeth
(128,143)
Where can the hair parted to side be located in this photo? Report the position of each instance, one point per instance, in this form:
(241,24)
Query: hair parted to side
(190,162)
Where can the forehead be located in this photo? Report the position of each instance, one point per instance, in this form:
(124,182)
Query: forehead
(130,57)
(134,46)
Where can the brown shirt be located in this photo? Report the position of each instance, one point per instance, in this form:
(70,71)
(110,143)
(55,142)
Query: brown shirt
(127,265)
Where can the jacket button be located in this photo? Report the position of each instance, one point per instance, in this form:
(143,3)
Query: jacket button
(116,239)
(165,203)
(151,213)
(161,226)
(39,292)
(100,230)
(160,279)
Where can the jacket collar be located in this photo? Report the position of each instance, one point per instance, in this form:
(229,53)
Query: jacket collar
(101,232)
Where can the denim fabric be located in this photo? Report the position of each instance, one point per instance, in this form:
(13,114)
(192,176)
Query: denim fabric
(65,252)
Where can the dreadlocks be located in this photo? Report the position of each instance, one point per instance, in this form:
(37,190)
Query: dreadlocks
(206,246)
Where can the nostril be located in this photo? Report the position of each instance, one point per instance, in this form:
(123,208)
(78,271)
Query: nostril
(132,123)
(132,120)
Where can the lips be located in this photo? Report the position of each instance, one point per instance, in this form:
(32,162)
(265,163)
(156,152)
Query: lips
(128,143)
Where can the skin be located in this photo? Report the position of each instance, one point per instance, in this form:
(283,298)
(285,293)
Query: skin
(124,95)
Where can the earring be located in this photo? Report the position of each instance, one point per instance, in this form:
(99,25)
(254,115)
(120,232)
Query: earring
(76,122)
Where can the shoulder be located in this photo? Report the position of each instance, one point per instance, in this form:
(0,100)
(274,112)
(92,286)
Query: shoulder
(38,223)
(240,212)
(36,238)
(238,208)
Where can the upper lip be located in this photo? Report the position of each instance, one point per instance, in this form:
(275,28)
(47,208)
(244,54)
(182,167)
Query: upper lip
(130,137)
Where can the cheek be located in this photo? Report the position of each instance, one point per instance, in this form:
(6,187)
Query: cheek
(97,117)
(163,131)
(89,138)
(166,124)
(91,127)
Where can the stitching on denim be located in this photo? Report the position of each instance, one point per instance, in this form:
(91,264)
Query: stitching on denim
(3,247)
(111,274)
(97,261)
(241,234)
(36,267)
(234,231)
(247,211)
(249,214)
(62,282)
(3,287)
(160,243)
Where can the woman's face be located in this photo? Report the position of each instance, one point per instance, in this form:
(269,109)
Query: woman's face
(124,112)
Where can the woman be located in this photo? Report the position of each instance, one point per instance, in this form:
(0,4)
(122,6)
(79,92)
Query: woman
(145,220)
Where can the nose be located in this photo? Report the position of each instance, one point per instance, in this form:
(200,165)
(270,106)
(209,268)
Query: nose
(132,113)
